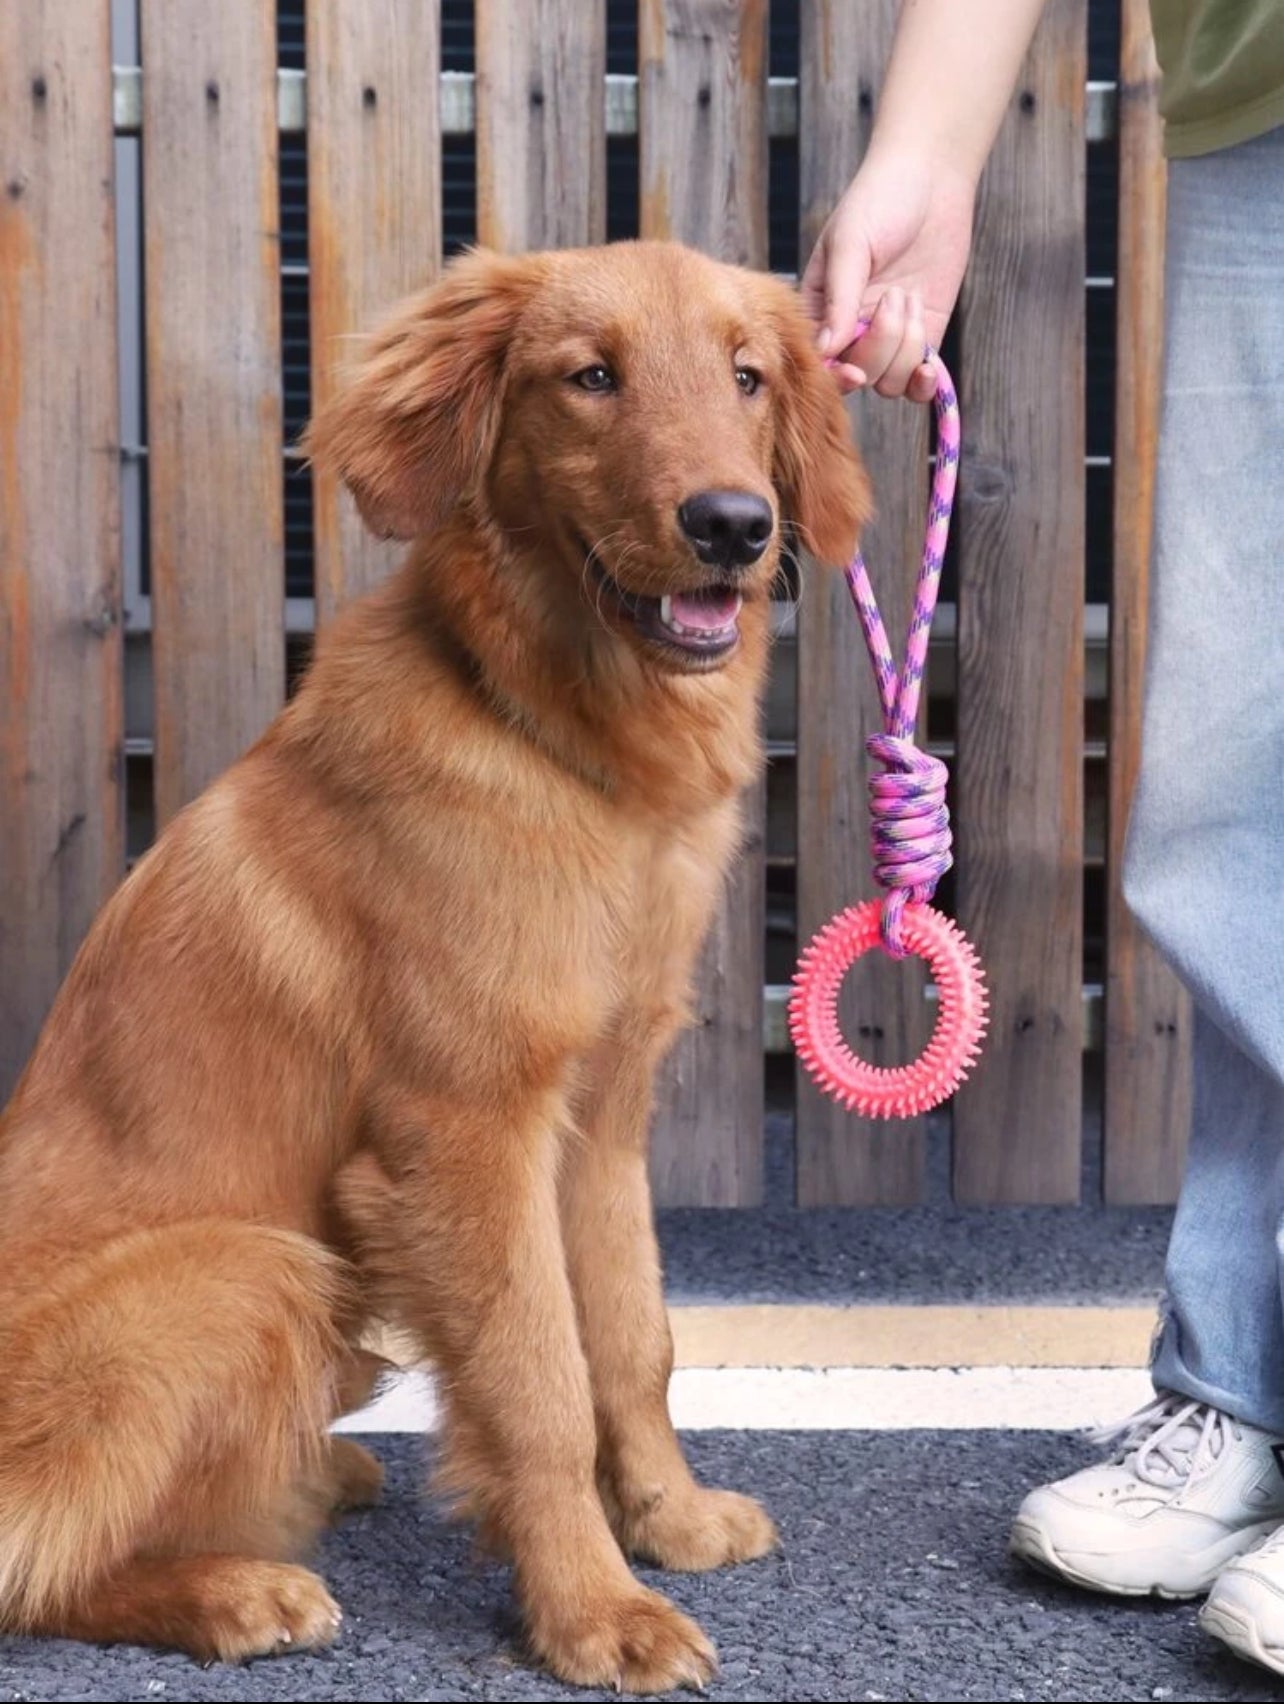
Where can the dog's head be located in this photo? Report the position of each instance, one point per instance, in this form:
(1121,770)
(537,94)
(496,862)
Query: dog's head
(639,417)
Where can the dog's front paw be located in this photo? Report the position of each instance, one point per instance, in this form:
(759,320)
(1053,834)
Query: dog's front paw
(635,1642)
(698,1529)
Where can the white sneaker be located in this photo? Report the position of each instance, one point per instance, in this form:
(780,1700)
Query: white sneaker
(1245,1608)
(1186,1491)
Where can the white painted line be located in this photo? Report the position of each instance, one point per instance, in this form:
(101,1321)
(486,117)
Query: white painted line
(1053,1399)
(408,1404)
(905,1399)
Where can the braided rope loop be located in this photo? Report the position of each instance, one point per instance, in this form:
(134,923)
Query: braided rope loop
(910,831)
(911,845)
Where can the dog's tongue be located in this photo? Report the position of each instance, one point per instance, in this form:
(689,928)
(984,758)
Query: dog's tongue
(709,610)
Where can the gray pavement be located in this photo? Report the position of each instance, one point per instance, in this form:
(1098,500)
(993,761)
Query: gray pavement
(893,1583)
(934,1253)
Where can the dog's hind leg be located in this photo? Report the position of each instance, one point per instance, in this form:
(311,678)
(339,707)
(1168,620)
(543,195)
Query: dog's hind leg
(354,1476)
(163,1425)
(224,1608)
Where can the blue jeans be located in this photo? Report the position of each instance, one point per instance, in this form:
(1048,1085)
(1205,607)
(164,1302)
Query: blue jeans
(1204,870)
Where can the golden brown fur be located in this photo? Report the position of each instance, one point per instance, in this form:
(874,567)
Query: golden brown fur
(370,1032)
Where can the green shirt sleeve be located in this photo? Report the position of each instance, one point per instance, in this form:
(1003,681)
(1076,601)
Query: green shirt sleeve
(1223,71)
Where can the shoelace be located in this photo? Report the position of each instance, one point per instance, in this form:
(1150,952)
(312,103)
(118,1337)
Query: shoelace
(1164,1441)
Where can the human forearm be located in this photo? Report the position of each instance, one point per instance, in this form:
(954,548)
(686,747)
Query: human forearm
(953,67)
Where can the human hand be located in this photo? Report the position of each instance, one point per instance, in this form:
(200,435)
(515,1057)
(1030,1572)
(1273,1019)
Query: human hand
(892,253)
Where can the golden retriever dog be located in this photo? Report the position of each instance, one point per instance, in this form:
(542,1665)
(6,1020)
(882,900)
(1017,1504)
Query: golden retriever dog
(369,1034)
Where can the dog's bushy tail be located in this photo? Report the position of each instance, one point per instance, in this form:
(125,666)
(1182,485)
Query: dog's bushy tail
(152,1376)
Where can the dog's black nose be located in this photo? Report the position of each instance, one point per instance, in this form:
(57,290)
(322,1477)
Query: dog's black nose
(727,529)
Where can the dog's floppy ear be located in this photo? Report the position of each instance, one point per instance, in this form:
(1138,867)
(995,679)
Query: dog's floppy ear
(414,426)
(818,472)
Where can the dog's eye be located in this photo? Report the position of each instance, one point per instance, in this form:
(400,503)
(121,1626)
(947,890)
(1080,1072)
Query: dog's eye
(748,380)
(596,378)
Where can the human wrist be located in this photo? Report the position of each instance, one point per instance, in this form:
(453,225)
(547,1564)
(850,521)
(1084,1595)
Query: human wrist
(913,156)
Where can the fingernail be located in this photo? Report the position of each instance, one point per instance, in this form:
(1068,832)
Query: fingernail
(824,338)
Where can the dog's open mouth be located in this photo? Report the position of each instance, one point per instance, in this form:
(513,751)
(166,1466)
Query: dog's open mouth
(703,623)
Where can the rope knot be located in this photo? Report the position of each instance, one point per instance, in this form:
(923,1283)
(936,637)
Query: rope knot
(909,831)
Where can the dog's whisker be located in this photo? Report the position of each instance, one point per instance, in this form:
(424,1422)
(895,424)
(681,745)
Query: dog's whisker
(593,558)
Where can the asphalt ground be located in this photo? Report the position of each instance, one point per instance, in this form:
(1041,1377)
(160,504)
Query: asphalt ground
(938,1252)
(892,1583)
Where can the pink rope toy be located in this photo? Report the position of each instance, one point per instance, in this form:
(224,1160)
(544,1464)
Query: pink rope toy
(911,845)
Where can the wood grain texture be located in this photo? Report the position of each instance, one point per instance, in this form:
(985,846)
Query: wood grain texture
(702,124)
(703,140)
(213,385)
(1148,1013)
(61,750)
(1020,693)
(374,223)
(541,123)
(843,1160)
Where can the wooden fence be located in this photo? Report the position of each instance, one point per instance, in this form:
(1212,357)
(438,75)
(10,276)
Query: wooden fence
(210,107)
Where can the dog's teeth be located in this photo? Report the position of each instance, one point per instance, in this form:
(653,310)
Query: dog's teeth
(715,635)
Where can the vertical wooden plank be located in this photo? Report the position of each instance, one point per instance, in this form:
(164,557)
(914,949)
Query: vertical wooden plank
(1020,768)
(843,1160)
(702,124)
(1148,1016)
(541,123)
(374,223)
(61,755)
(213,310)
(702,119)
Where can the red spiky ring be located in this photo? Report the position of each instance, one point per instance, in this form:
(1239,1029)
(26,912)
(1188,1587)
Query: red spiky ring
(898,1091)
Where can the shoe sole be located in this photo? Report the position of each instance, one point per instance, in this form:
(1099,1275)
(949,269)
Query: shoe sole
(1239,1632)
(1031,1544)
